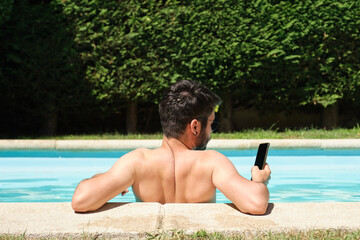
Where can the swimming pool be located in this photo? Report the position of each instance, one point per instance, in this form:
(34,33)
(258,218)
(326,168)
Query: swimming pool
(298,175)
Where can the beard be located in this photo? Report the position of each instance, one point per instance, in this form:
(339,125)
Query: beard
(202,142)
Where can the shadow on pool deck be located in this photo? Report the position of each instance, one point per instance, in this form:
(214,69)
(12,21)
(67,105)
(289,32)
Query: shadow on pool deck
(111,205)
(138,219)
(106,207)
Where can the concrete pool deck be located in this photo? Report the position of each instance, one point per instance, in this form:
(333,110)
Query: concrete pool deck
(214,143)
(137,220)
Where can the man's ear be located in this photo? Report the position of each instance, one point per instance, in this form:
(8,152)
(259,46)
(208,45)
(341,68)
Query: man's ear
(195,127)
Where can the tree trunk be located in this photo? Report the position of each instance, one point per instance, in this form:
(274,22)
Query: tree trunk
(50,126)
(131,118)
(330,116)
(226,115)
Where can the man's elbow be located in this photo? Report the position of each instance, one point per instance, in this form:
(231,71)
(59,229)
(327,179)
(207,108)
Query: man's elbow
(82,201)
(78,204)
(259,208)
(259,204)
(254,206)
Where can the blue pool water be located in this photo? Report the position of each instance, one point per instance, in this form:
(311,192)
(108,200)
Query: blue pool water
(298,175)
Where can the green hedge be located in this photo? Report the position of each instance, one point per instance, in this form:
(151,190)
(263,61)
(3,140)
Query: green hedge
(42,72)
(306,52)
(285,53)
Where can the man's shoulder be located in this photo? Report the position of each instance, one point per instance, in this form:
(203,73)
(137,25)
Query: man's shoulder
(135,154)
(214,153)
(142,153)
(140,150)
(214,156)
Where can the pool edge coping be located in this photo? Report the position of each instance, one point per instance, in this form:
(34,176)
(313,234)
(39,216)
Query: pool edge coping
(134,220)
(113,144)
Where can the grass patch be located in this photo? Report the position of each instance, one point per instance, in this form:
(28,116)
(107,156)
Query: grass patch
(332,234)
(292,134)
(311,234)
(313,133)
(107,136)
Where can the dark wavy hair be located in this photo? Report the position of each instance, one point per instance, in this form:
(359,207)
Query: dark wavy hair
(183,102)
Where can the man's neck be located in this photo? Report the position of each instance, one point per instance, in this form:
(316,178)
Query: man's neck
(176,144)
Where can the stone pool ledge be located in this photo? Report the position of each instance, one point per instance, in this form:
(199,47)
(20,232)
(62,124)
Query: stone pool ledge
(136,220)
(215,143)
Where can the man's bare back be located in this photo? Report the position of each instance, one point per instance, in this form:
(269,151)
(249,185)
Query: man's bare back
(167,175)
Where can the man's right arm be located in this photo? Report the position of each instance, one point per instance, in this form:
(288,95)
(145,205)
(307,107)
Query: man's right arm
(93,193)
(249,196)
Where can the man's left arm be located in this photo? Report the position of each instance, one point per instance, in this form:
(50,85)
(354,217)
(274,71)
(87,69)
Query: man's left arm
(248,196)
(93,193)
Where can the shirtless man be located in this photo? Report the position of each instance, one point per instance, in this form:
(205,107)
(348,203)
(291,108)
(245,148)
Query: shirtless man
(176,172)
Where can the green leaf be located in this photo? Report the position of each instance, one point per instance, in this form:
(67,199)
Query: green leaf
(289,25)
(290,57)
(103,12)
(14,58)
(276,52)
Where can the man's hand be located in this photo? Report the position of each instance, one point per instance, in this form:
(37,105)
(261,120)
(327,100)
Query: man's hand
(124,192)
(262,176)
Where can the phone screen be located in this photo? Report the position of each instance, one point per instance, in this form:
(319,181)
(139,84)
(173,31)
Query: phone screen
(261,155)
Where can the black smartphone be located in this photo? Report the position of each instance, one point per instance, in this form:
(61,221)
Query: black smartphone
(261,155)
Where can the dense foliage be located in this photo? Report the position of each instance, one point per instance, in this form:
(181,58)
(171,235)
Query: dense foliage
(5,10)
(70,63)
(41,70)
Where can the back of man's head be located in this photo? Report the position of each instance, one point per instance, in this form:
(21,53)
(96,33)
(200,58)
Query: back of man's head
(184,101)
